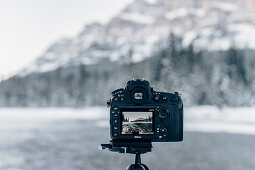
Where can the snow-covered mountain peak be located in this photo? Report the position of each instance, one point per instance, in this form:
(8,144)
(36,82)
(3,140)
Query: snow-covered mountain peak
(144,26)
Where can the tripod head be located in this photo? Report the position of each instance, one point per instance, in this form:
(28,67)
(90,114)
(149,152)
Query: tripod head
(137,148)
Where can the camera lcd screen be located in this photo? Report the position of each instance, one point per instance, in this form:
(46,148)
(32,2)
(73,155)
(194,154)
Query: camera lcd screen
(137,123)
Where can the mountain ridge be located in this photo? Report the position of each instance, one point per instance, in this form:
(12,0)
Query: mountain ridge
(201,48)
(141,28)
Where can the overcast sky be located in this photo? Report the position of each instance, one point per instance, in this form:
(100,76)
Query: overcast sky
(135,115)
(28,27)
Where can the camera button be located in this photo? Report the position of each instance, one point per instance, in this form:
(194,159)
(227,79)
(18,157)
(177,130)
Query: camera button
(164,98)
(156,97)
(163,130)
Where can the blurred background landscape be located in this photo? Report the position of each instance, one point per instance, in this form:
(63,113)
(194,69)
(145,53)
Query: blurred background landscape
(53,112)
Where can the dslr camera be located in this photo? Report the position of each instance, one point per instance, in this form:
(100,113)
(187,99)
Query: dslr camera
(138,113)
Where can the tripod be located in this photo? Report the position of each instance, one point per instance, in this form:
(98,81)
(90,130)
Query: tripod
(138,164)
(136,148)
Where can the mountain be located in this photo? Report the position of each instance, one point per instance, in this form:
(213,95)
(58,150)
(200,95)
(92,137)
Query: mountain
(142,28)
(201,48)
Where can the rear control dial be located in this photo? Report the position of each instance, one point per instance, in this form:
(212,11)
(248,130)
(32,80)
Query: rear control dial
(163,113)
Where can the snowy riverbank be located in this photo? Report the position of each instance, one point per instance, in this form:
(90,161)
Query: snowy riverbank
(202,119)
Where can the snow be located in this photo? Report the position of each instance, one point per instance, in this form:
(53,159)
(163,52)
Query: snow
(221,43)
(17,123)
(235,35)
(188,38)
(23,118)
(224,6)
(151,1)
(239,120)
(138,18)
(200,119)
(177,14)
(245,35)
(184,12)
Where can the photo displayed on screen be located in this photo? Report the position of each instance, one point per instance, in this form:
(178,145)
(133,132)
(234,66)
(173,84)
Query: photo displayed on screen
(137,123)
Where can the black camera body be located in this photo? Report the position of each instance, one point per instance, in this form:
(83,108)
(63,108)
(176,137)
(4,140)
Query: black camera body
(138,113)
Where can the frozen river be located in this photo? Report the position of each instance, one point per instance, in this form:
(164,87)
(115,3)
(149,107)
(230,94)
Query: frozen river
(65,139)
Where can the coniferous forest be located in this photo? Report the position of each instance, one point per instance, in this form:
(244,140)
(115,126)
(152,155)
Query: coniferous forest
(203,77)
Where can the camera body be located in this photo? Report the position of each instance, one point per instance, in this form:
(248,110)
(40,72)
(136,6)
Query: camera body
(138,113)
